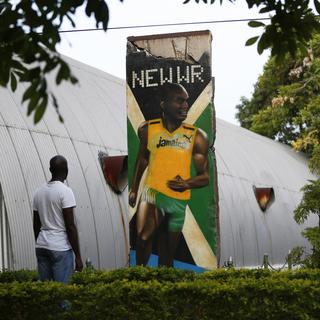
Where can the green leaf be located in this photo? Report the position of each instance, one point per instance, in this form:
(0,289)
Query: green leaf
(256,24)
(13,82)
(30,91)
(317,5)
(262,44)
(251,41)
(71,20)
(73,79)
(55,104)
(63,73)
(40,110)
(51,64)
(303,47)
(5,72)
(267,8)
(17,65)
(33,103)
(102,15)
(89,8)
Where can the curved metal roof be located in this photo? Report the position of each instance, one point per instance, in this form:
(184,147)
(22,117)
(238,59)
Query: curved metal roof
(95,120)
(244,160)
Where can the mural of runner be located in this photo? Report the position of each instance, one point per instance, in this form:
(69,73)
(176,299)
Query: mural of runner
(173,204)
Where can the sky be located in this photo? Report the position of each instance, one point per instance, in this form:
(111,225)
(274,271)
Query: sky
(235,66)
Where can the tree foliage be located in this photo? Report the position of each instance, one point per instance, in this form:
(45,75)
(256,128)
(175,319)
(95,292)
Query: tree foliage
(291,26)
(310,204)
(286,106)
(29,34)
(265,90)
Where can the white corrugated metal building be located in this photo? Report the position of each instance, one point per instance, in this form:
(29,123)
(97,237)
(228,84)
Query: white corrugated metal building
(95,120)
(245,160)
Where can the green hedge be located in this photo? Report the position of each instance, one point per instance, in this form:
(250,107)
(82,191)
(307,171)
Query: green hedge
(159,293)
(165,275)
(19,276)
(177,275)
(135,273)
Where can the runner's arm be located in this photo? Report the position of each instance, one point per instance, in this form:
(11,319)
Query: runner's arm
(142,162)
(200,158)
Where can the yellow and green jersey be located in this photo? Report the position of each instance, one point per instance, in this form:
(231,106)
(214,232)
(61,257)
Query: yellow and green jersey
(170,155)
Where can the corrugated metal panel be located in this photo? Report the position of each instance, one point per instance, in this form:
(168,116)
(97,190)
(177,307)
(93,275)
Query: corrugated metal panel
(86,217)
(116,101)
(99,116)
(6,254)
(9,113)
(29,161)
(54,126)
(245,159)
(17,203)
(117,214)
(27,149)
(45,150)
(101,206)
(69,110)
(3,100)
(99,98)
(22,109)
(69,98)
(95,120)
(101,113)
(123,201)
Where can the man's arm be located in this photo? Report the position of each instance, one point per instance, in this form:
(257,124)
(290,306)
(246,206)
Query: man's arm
(142,162)
(200,158)
(73,238)
(36,224)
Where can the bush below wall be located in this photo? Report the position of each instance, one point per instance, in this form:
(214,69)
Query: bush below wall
(159,293)
(19,276)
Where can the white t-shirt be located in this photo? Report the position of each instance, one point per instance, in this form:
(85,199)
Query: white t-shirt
(49,200)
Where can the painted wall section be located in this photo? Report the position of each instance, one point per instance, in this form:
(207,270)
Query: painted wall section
(152,63)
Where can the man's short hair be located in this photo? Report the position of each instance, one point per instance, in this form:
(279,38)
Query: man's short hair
(58,164)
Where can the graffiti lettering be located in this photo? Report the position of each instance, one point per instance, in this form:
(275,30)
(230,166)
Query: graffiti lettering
(158,77)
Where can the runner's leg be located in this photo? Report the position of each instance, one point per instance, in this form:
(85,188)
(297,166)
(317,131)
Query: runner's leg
(163,242)
(148,220)
(167,244)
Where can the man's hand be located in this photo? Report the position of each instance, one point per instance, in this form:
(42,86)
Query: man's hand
(178,184)
(132,198)
(78,264)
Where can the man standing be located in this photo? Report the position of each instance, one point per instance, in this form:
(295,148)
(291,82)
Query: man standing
(167,147)
(54,226)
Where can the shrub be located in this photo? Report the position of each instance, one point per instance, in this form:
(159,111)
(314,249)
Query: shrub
(19,276)
(160,293)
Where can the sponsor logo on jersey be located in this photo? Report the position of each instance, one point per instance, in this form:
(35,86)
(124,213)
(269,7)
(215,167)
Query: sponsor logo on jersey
(176,143)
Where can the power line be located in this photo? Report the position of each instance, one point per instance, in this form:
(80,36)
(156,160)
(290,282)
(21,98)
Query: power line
(164,25)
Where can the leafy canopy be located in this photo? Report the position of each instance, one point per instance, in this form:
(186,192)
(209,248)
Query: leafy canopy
(286,106)
(29,34)
(291,25)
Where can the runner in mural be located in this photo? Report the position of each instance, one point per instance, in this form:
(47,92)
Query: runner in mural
(167,147)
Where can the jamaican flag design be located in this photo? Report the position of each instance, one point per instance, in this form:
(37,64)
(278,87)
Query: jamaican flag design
(182,58)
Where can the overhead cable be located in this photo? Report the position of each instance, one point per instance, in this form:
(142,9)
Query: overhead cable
(164,25)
